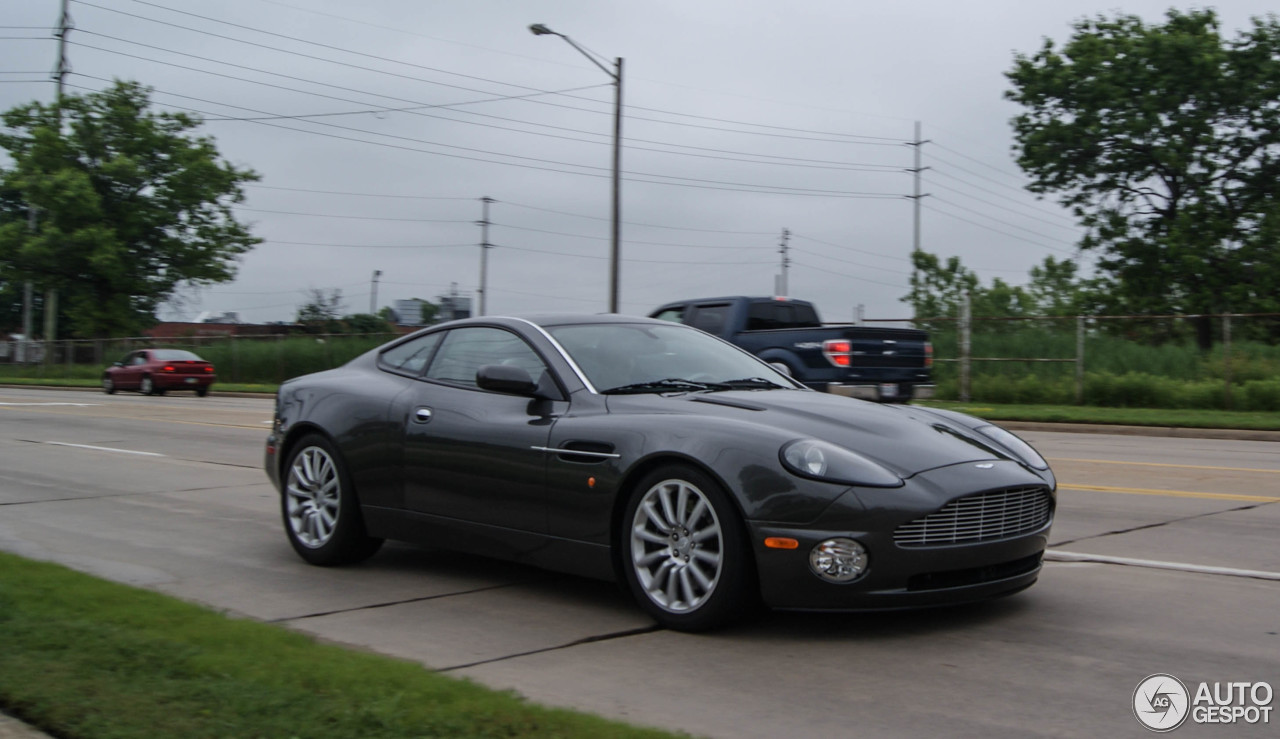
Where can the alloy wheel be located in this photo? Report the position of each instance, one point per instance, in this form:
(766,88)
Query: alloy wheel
(677,546)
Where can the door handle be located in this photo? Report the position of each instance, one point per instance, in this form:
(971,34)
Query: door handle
(422,415)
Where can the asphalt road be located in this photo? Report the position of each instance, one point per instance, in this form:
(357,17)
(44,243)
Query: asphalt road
(1164,559)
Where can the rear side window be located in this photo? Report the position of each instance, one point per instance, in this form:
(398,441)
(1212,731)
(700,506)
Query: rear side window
(411,356)
(775,314)
(711,318)
(675,315)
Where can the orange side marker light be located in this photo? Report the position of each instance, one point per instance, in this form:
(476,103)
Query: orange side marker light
(781,542)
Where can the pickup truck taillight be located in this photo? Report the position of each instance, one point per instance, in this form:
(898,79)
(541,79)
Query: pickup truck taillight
(928,354)
(837,351)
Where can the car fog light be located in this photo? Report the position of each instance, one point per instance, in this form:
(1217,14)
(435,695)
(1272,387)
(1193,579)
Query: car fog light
(838,560)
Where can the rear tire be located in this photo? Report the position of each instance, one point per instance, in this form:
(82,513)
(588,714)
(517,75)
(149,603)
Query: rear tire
(684,552)
(321,513)
(202,391)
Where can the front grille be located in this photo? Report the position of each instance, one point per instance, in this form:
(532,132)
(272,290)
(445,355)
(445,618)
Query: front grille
(999,514)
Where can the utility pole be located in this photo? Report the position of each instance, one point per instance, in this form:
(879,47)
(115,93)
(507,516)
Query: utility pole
(485,246)
(780,286)
(64,67)
(916,196)
(373,295)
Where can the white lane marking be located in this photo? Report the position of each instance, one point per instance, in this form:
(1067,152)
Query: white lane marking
(103,448)
(1056,555)
(77,405)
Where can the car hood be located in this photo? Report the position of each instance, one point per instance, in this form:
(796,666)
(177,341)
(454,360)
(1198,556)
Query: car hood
(905,439)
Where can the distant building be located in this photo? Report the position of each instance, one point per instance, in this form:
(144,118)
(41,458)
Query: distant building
(209,317)
(453,307)
(407,312)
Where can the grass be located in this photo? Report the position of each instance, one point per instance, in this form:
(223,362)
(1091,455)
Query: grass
(83,657)
(994,411)
(1163,417)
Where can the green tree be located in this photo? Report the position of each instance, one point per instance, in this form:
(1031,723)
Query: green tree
(366,323)
(319,315)
(938,287)
(130,206)
(429,311)
(1165,141)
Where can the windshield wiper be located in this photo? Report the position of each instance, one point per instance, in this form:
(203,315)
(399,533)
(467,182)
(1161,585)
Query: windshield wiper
(749,383)
(658,386)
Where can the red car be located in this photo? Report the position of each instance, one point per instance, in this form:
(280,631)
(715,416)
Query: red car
(153,371)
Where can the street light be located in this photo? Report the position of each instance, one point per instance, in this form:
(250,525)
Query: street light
(373,295)
(537,29)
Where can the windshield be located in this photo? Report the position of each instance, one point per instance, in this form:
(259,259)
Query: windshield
(174,355)
(632,357)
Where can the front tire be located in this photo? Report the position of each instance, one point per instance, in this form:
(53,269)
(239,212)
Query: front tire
(321,514)
(684,551)
(202,391)
(147,386)
(108,385)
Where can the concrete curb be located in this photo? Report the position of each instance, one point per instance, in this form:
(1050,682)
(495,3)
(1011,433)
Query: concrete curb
(1157,431)
(12,728)
(1066,428)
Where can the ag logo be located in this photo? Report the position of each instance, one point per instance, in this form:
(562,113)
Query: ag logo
(1160,703)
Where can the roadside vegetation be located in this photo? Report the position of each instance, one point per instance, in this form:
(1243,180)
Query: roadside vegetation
(87,658)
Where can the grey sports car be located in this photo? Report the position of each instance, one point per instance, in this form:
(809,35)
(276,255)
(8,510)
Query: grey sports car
(660,456)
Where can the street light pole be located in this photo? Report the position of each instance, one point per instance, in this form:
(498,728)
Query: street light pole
(615,251)
(373,295)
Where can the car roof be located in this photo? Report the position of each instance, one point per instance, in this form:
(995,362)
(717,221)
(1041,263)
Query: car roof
(561,319)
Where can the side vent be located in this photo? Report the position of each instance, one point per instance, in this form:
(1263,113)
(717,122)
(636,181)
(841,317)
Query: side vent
(587,452)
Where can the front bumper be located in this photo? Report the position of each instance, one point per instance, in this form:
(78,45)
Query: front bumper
(899,576)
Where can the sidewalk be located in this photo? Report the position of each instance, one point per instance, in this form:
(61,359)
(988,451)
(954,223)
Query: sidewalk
(12,728)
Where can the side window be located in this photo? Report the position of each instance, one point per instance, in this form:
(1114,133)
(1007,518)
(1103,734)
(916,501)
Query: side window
(711,318)
(139,358)
(411,356)
(762,316)
(465,350)
(675,315)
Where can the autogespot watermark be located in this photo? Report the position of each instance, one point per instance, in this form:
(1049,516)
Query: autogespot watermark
(1163,703)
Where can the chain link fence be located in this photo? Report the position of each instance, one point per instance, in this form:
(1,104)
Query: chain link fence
(263,358)
(1211,361)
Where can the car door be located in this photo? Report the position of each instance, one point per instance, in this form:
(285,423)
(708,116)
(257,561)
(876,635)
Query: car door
(129,374)
(471,454)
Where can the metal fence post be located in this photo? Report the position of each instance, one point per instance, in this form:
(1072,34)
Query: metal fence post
(1226,358)
(1079,360)
(964,348)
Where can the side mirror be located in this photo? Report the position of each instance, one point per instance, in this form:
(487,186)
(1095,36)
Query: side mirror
(502,378)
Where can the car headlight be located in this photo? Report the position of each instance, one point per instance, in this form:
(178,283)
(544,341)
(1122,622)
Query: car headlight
(824,461)
(1020,449)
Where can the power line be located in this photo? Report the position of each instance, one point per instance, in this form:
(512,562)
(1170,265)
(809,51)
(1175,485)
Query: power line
(644,225)
(355,194)
(995,230)
(1002,207)
(358,218)
(846,138)
(629,241)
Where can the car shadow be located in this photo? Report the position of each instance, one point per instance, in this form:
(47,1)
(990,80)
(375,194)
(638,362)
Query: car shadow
(799,626)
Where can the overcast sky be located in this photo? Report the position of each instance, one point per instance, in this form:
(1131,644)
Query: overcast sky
(741,118)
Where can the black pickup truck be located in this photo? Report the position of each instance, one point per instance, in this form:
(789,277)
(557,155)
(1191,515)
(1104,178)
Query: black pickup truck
(870,362)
